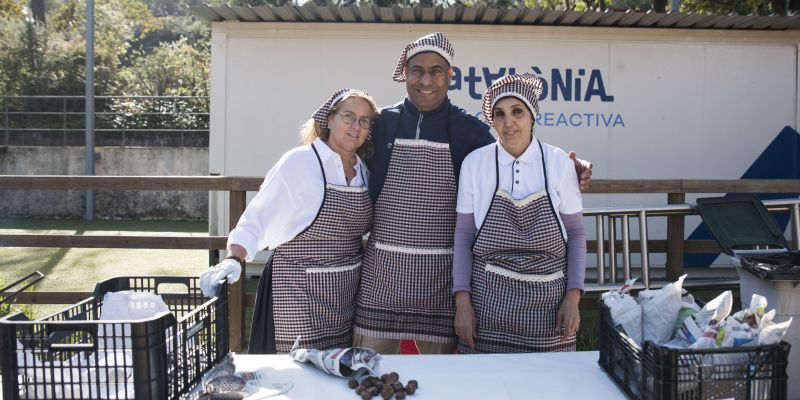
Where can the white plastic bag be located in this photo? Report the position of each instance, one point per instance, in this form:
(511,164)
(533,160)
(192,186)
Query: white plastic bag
(626,312)
(710,337)
(738,333)
(753,314)
(772,333)
(349,362)
(126,305)
(715,310)
(660,311)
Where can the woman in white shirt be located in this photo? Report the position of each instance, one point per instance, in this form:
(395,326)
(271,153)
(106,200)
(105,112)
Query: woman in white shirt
(518,279)
(312,211)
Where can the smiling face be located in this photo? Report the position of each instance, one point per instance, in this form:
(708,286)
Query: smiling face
(513,122)
(346,138)
(427,77)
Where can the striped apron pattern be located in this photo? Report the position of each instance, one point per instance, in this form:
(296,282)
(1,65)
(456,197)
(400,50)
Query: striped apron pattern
(519,275)
(407,275)
(313,278)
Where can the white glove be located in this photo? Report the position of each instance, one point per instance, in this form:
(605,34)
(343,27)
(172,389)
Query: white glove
(209,280)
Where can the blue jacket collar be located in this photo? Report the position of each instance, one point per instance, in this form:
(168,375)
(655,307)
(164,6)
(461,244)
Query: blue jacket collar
(411,109)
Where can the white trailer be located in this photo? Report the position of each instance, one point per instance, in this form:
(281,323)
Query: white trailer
(641,103)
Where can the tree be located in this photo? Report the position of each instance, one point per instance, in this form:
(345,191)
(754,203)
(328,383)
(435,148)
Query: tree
(740,7)
(172,69)
(10,9)
(37,10)
(118,23)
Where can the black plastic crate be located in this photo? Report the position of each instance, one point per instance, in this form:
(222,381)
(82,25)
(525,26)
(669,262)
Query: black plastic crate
(660,373)
(73,355)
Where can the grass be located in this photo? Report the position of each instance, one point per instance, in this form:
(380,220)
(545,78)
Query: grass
(78,270)
(587,339)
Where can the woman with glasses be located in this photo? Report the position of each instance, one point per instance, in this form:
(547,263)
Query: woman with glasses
(520,248)
(312,211)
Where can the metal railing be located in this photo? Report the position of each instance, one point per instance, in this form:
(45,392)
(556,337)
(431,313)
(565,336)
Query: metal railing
(123,116)
(237,187)
(606,219)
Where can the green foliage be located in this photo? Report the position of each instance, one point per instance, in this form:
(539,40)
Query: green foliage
(11,307)
(10,9)
(636,5)
(255,3)
(159,113)
(547,4)
(39,59)
(35,60)
(741,7)
(117,24)
(173,28)
(172,69)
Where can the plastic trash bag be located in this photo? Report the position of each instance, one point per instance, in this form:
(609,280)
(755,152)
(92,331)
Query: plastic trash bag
(660,311)
(625,311)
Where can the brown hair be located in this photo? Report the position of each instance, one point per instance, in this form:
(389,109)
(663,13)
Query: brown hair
(310,130)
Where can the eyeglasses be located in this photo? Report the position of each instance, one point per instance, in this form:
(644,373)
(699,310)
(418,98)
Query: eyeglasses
(350,117)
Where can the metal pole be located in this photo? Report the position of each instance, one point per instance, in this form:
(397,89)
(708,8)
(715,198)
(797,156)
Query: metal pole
(612,248)
(676,5)
(626,248)
(796,226)
(644,251)
(601,268)
(5,108)
(89,215)
(64,120)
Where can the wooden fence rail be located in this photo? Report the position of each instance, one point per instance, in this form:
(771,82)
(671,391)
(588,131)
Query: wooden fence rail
(237,187)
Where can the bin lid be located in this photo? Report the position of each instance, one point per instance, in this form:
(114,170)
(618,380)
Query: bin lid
(740,222)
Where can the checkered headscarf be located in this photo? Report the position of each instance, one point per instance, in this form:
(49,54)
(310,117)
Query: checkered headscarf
(435,42)
(322,113)
(526,87)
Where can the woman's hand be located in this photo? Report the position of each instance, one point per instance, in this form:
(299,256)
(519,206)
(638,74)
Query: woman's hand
(465,318)
(569,317)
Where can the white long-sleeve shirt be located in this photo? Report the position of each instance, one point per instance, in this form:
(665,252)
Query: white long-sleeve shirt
(290,197)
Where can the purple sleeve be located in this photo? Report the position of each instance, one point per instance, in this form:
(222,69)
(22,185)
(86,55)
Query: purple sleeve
(462,252)
(576,249)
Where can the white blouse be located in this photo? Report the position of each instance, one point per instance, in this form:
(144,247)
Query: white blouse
(519,177)
(290,197)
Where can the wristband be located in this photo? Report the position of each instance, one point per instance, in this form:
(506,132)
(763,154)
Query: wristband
(232,257)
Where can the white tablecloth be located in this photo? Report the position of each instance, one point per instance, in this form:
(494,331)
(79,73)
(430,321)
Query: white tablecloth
(571,376)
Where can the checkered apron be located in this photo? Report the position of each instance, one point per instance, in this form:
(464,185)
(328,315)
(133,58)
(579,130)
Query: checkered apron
(314,277)
(406,280)
(519,275)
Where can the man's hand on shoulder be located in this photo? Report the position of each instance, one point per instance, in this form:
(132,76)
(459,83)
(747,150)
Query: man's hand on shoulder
(583,169)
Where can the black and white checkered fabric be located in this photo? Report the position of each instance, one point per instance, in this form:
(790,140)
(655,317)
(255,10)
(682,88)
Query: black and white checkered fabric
(519,278)
(406,279)
(322,113)
(436,42)
(526,87)
(315,275)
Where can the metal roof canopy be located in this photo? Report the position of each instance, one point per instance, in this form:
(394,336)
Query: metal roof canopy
(310,12)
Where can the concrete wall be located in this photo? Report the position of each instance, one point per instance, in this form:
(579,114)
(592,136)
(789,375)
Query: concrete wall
(109,204)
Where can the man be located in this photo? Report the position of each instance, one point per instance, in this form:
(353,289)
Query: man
(420,143)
